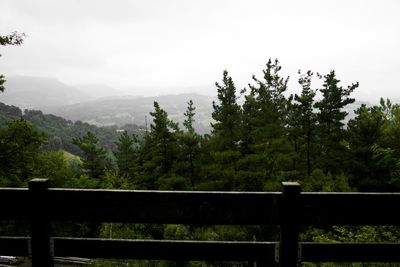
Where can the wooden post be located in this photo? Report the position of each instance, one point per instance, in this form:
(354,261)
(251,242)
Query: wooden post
(41,245)
(289,225)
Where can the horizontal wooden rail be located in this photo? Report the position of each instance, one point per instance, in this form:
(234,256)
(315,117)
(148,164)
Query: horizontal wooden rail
(165,249)
(349,209)
(148,249)
(16,246)
(206,250)
(164,207)
(17,207)
(185,207)
(350,252)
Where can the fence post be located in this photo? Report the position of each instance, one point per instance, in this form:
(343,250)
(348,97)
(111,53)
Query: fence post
(41,247)
(289,225)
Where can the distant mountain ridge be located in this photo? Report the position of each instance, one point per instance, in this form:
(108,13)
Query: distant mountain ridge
(42,92)
(38,92)
(99,104)
(135,110)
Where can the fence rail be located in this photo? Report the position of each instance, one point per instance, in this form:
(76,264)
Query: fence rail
(288,209)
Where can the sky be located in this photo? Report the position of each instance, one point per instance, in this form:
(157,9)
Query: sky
(157,47)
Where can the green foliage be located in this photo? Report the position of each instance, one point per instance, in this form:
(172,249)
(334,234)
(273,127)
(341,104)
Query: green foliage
(54,166)
(227,116)
(163,139)
(19,151)
(302,124)
(318,181)
(94,157)
(126,154)
(189,117)
(333,154)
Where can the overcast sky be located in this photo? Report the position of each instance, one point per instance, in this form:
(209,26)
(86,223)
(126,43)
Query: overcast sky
(157,47)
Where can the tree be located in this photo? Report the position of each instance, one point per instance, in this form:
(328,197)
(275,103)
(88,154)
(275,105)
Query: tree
(190,144)
(54,166)
(163,137)
(221,164)
(227,116)
(264,110)
(11,39)
(126,154)
(189,117)
(302,120)
(373,140)
(330,118)
(19,150)
(94,160)
(264,144)
(159,150)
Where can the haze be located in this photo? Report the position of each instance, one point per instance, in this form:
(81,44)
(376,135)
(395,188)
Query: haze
(159,47)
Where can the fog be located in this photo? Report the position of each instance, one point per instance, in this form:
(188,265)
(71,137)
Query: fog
(168,47)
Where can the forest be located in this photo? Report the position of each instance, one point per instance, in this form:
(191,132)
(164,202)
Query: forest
(255,144)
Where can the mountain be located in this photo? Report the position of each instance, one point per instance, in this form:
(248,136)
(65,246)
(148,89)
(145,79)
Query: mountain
(135,110)
(99,104)
(38,92)
(97,91)
(60,132)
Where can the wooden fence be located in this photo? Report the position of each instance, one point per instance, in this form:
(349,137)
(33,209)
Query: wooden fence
(288,209)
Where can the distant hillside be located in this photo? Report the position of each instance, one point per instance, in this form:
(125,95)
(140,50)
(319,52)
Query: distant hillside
(60,131)
(135,110)
(36,93)
(99,104)
(42,92)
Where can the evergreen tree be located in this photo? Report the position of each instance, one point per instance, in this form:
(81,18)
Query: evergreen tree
(365,136)
(190,144)
(227,116)
(265,106)
(302,121)
(126,154)
(221,167)
(330,123)
(163,138)
(159,150)
(189,117)
(265,144)
(94,157)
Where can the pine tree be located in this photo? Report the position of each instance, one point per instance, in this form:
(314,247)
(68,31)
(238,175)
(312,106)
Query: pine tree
(162,132)
(189,117)
(159,151)
(265,146)
(126,154)
(94,159)
(302,121)
(330,122)
(190,143)
(227,116)
(366,132)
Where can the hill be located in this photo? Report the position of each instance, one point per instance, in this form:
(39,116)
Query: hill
(60,131)
(135,110)
(99,104)
(36,93)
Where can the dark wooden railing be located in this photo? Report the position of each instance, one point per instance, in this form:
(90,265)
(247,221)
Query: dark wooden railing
(289,209)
